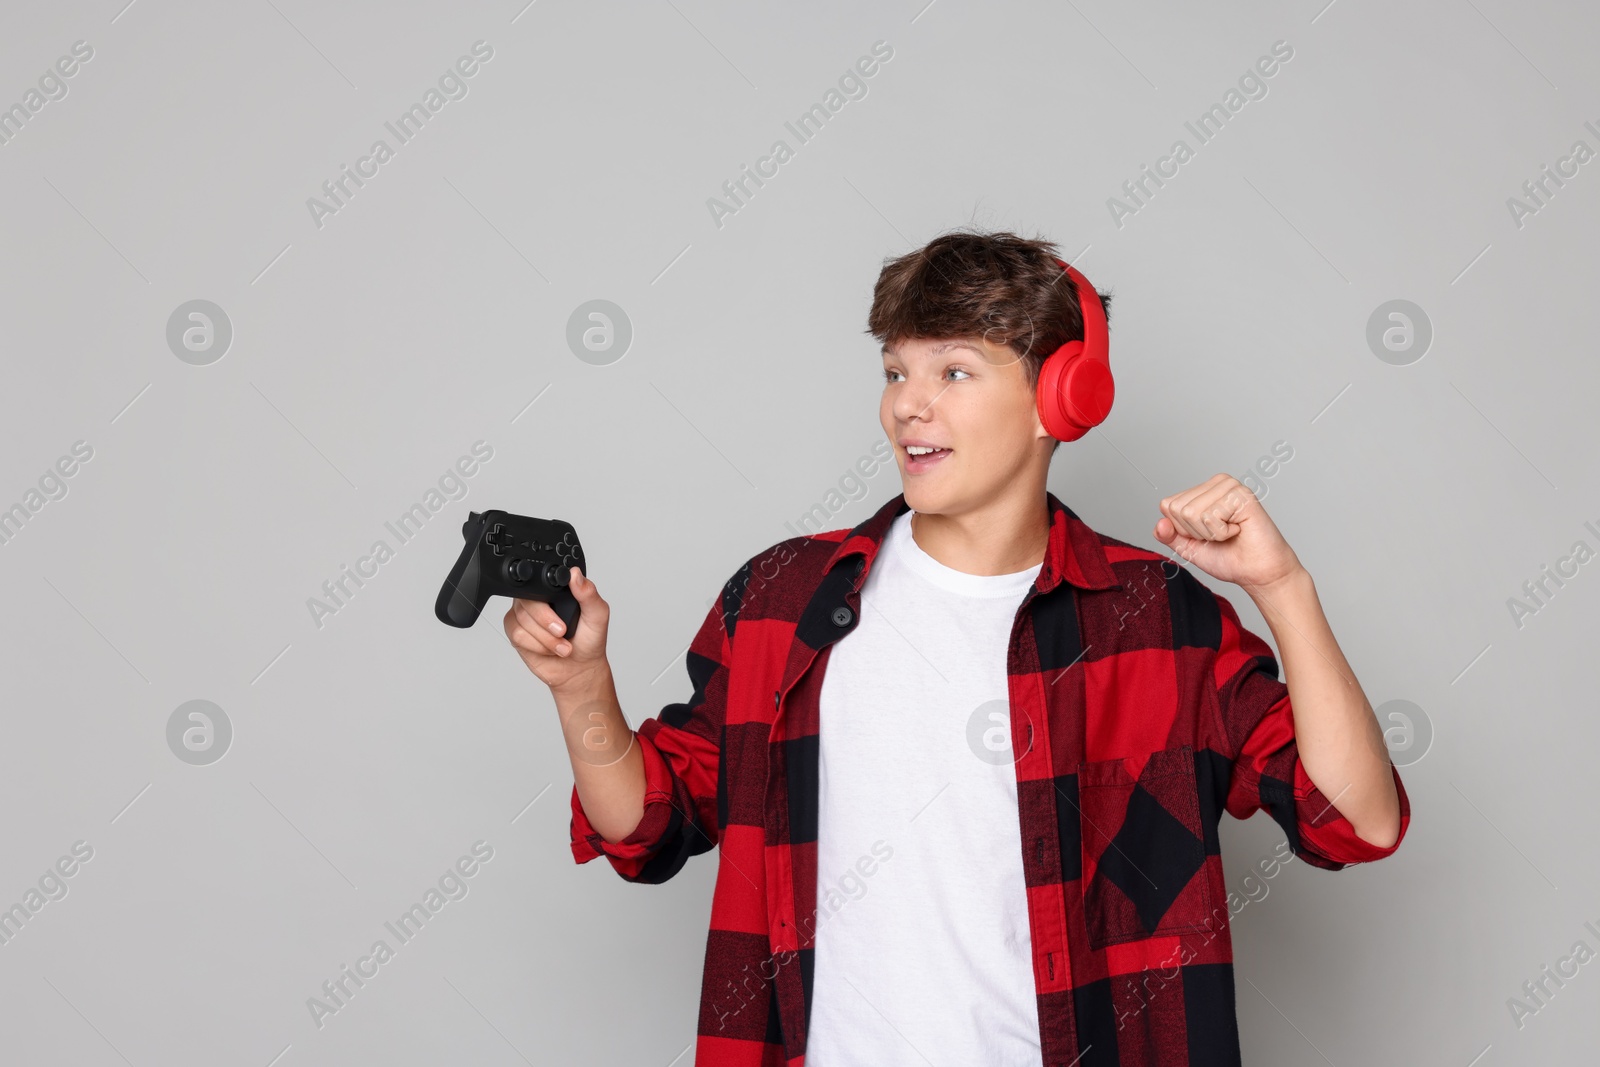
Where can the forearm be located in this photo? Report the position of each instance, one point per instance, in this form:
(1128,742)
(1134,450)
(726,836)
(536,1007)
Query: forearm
(1340,741)
(607,766)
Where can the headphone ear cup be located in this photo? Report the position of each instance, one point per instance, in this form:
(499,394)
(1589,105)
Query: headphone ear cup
(1050,394)
(1075,386)
(1075,393)
(1089,391)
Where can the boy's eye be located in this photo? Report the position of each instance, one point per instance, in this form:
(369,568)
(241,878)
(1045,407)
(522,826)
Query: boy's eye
(890,375)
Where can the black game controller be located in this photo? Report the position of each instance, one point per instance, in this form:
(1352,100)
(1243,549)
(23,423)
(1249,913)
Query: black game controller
(515,556)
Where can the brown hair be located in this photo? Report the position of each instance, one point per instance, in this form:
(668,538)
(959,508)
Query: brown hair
(998,286)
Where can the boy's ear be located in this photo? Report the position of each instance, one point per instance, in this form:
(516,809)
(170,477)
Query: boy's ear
(1038,423)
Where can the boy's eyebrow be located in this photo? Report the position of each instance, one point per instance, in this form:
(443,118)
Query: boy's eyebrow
(940,349)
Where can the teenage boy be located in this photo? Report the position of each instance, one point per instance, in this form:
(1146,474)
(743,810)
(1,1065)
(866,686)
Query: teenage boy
(965,762)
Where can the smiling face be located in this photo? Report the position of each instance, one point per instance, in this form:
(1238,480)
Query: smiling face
(971,401)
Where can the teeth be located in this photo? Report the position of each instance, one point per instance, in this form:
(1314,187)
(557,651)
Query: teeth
(922,450)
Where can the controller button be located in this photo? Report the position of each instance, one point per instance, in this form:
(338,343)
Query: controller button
(519,570)
(556,575)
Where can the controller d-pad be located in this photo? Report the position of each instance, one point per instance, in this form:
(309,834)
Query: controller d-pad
(499,539)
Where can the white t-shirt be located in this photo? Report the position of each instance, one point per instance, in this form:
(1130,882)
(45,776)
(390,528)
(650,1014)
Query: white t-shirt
(927,958)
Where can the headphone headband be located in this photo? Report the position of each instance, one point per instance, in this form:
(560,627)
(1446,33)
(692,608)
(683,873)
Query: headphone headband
(1095,335)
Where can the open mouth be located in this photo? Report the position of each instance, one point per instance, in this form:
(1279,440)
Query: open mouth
(921,458)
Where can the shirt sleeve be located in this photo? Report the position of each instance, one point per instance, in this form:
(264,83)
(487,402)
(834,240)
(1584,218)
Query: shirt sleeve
(1266,771)
(682,748)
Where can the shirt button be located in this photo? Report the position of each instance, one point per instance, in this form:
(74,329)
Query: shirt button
(842,616)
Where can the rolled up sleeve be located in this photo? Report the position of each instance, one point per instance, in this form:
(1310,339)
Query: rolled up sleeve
(1266,771)
(682,749)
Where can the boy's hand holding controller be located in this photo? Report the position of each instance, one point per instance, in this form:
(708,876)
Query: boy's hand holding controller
(565,662)
(606,767)
(538,563)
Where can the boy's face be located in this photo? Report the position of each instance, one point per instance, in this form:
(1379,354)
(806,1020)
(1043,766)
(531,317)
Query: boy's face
(972,400)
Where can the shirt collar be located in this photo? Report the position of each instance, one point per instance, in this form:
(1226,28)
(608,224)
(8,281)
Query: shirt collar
(1073,554)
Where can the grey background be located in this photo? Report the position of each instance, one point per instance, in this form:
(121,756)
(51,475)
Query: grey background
(369,354)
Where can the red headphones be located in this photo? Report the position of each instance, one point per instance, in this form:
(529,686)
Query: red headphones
(1075,387)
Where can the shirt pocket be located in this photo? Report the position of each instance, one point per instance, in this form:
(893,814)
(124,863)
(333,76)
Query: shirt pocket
(1144,858)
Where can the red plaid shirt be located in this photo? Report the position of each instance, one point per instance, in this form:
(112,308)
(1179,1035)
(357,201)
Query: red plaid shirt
(1142,710)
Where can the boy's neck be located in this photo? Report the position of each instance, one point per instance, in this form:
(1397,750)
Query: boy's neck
(1007,535)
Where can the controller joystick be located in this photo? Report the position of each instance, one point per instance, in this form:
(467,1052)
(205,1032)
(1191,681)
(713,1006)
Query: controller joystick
(515,556)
